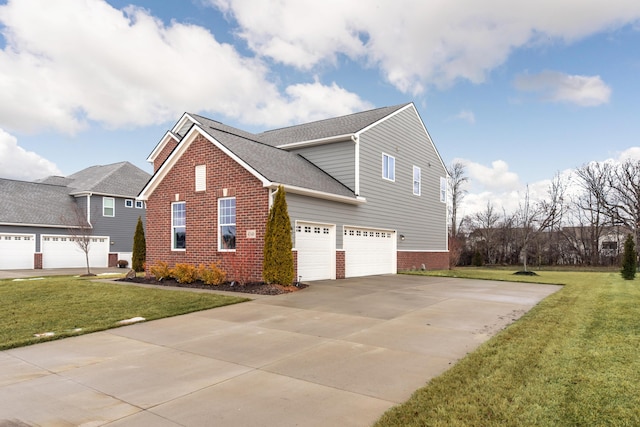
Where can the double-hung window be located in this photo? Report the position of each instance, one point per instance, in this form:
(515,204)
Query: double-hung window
(178,226)
(416,180)
(443,190)
(388,167)
(227,224)
(108,206)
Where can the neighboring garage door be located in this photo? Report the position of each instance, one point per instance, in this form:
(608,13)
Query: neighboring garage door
(316,247)
(369,251)
(63,252)
(16,251)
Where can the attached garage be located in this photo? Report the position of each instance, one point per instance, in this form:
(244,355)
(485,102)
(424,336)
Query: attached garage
(62,252)
(16,251)
(316,247)
(369,251)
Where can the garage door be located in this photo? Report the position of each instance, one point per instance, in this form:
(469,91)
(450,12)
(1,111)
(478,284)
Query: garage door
(16,251)
(369,251)
(63,252)
(316,247)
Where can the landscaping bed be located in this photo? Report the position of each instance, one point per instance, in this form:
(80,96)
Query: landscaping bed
(257,288)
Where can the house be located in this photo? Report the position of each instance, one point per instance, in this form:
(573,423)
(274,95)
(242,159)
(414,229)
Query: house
(366,194)
(37,219)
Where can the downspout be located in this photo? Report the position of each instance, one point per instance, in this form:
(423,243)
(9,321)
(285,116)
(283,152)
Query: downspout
(89,209)
(356,140)
(271,194)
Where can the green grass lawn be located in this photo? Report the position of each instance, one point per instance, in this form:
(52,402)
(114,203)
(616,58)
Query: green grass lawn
(65,304)
(573,360)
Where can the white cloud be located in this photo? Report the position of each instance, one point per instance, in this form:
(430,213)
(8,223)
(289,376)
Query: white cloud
(467,116)
(66,63)
(18,163)
(631,153)
(586,91)
(417,43)
(496,177)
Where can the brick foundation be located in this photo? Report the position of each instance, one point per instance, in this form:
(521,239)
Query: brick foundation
(113,260)
(37,260)
(340,264)
(415,260)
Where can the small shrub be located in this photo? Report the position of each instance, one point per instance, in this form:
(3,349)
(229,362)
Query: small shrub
(184,273)
(160,270)
(629,259)
(122,263)
(477,260)
(212,275)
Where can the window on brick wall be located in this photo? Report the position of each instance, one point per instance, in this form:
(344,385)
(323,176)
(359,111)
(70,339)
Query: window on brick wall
(227,224)
(178,226)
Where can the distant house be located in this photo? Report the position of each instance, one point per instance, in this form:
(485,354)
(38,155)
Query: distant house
(35,217)
(366,195)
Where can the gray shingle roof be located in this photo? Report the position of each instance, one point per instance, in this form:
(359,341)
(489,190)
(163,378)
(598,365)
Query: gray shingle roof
(327,128)
(50,201)
(35,203)
(276,165)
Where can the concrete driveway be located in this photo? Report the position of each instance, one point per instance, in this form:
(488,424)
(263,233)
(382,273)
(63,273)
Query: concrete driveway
(337,353)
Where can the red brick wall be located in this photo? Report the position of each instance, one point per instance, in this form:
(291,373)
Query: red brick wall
(252,208)
(164,153)
(340,265)
(113,260)
(37,260)
(431,260)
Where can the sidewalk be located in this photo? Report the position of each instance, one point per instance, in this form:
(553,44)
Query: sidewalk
(19,274)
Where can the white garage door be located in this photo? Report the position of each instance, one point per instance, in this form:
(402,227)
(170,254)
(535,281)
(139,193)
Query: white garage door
(316,247)
(63,252)
(369,251)
(16,251)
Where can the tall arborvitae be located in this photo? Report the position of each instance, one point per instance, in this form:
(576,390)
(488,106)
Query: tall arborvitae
(629,259)
(277,266)
(139,255)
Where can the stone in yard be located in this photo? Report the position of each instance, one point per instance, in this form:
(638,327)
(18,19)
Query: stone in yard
(131,274)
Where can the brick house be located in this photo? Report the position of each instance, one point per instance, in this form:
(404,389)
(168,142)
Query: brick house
(366,195)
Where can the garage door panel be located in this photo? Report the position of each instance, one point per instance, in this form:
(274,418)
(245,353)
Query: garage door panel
(369,251)
(63,252)
(16,251)
(315,245)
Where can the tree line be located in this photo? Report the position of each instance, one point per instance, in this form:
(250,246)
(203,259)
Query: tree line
(583,219)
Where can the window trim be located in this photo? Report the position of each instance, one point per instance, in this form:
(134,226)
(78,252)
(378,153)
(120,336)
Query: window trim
(220,225)
(128,203)
(173,227)
(443,189)
(388,170)
(139,204)
(113,207)
(418,182)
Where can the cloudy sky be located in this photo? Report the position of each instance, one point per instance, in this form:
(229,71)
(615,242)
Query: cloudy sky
(517,90)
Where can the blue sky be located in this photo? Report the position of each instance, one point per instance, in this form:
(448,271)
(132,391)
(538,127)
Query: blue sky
(518,93)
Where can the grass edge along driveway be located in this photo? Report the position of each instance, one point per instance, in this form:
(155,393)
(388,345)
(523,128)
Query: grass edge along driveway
(570,361)
(68,306)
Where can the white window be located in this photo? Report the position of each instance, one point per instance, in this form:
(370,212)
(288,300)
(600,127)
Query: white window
(128,203)
(108,206)
(388,167)
(201,177)
(443,190)
(139,204)
(416,180)
(178,226)
(227,224)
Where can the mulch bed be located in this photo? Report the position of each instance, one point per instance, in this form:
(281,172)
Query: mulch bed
(257,288)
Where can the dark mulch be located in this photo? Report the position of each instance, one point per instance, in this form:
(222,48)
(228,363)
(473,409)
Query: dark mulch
(526,273)
(260,288)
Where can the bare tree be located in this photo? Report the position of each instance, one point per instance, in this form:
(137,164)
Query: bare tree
(485,228)
(81,232)
(457,179)
(624,203)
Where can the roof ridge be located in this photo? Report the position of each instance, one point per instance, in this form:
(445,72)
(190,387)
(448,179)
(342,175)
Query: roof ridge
(32,182)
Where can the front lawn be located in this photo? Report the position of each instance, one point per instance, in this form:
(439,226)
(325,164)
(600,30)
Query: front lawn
(573,360)
(67,306)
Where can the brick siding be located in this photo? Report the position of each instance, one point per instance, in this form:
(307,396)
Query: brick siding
(164,153)
(223,175)
(340,268)
(415,260)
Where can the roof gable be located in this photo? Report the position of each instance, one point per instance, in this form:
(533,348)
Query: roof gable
(34,203)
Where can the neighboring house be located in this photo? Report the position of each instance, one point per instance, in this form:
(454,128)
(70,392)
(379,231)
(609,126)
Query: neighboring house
(36,217)
(366,194)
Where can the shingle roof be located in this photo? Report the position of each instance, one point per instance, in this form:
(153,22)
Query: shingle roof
(50,201)
(276,165)
(327,128)
(35,203)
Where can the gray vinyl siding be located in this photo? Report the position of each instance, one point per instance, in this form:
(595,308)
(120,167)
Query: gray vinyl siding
(120,228)
(337,159)
(390,205)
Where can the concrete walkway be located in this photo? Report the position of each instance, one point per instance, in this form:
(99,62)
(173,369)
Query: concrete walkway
(337,353)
